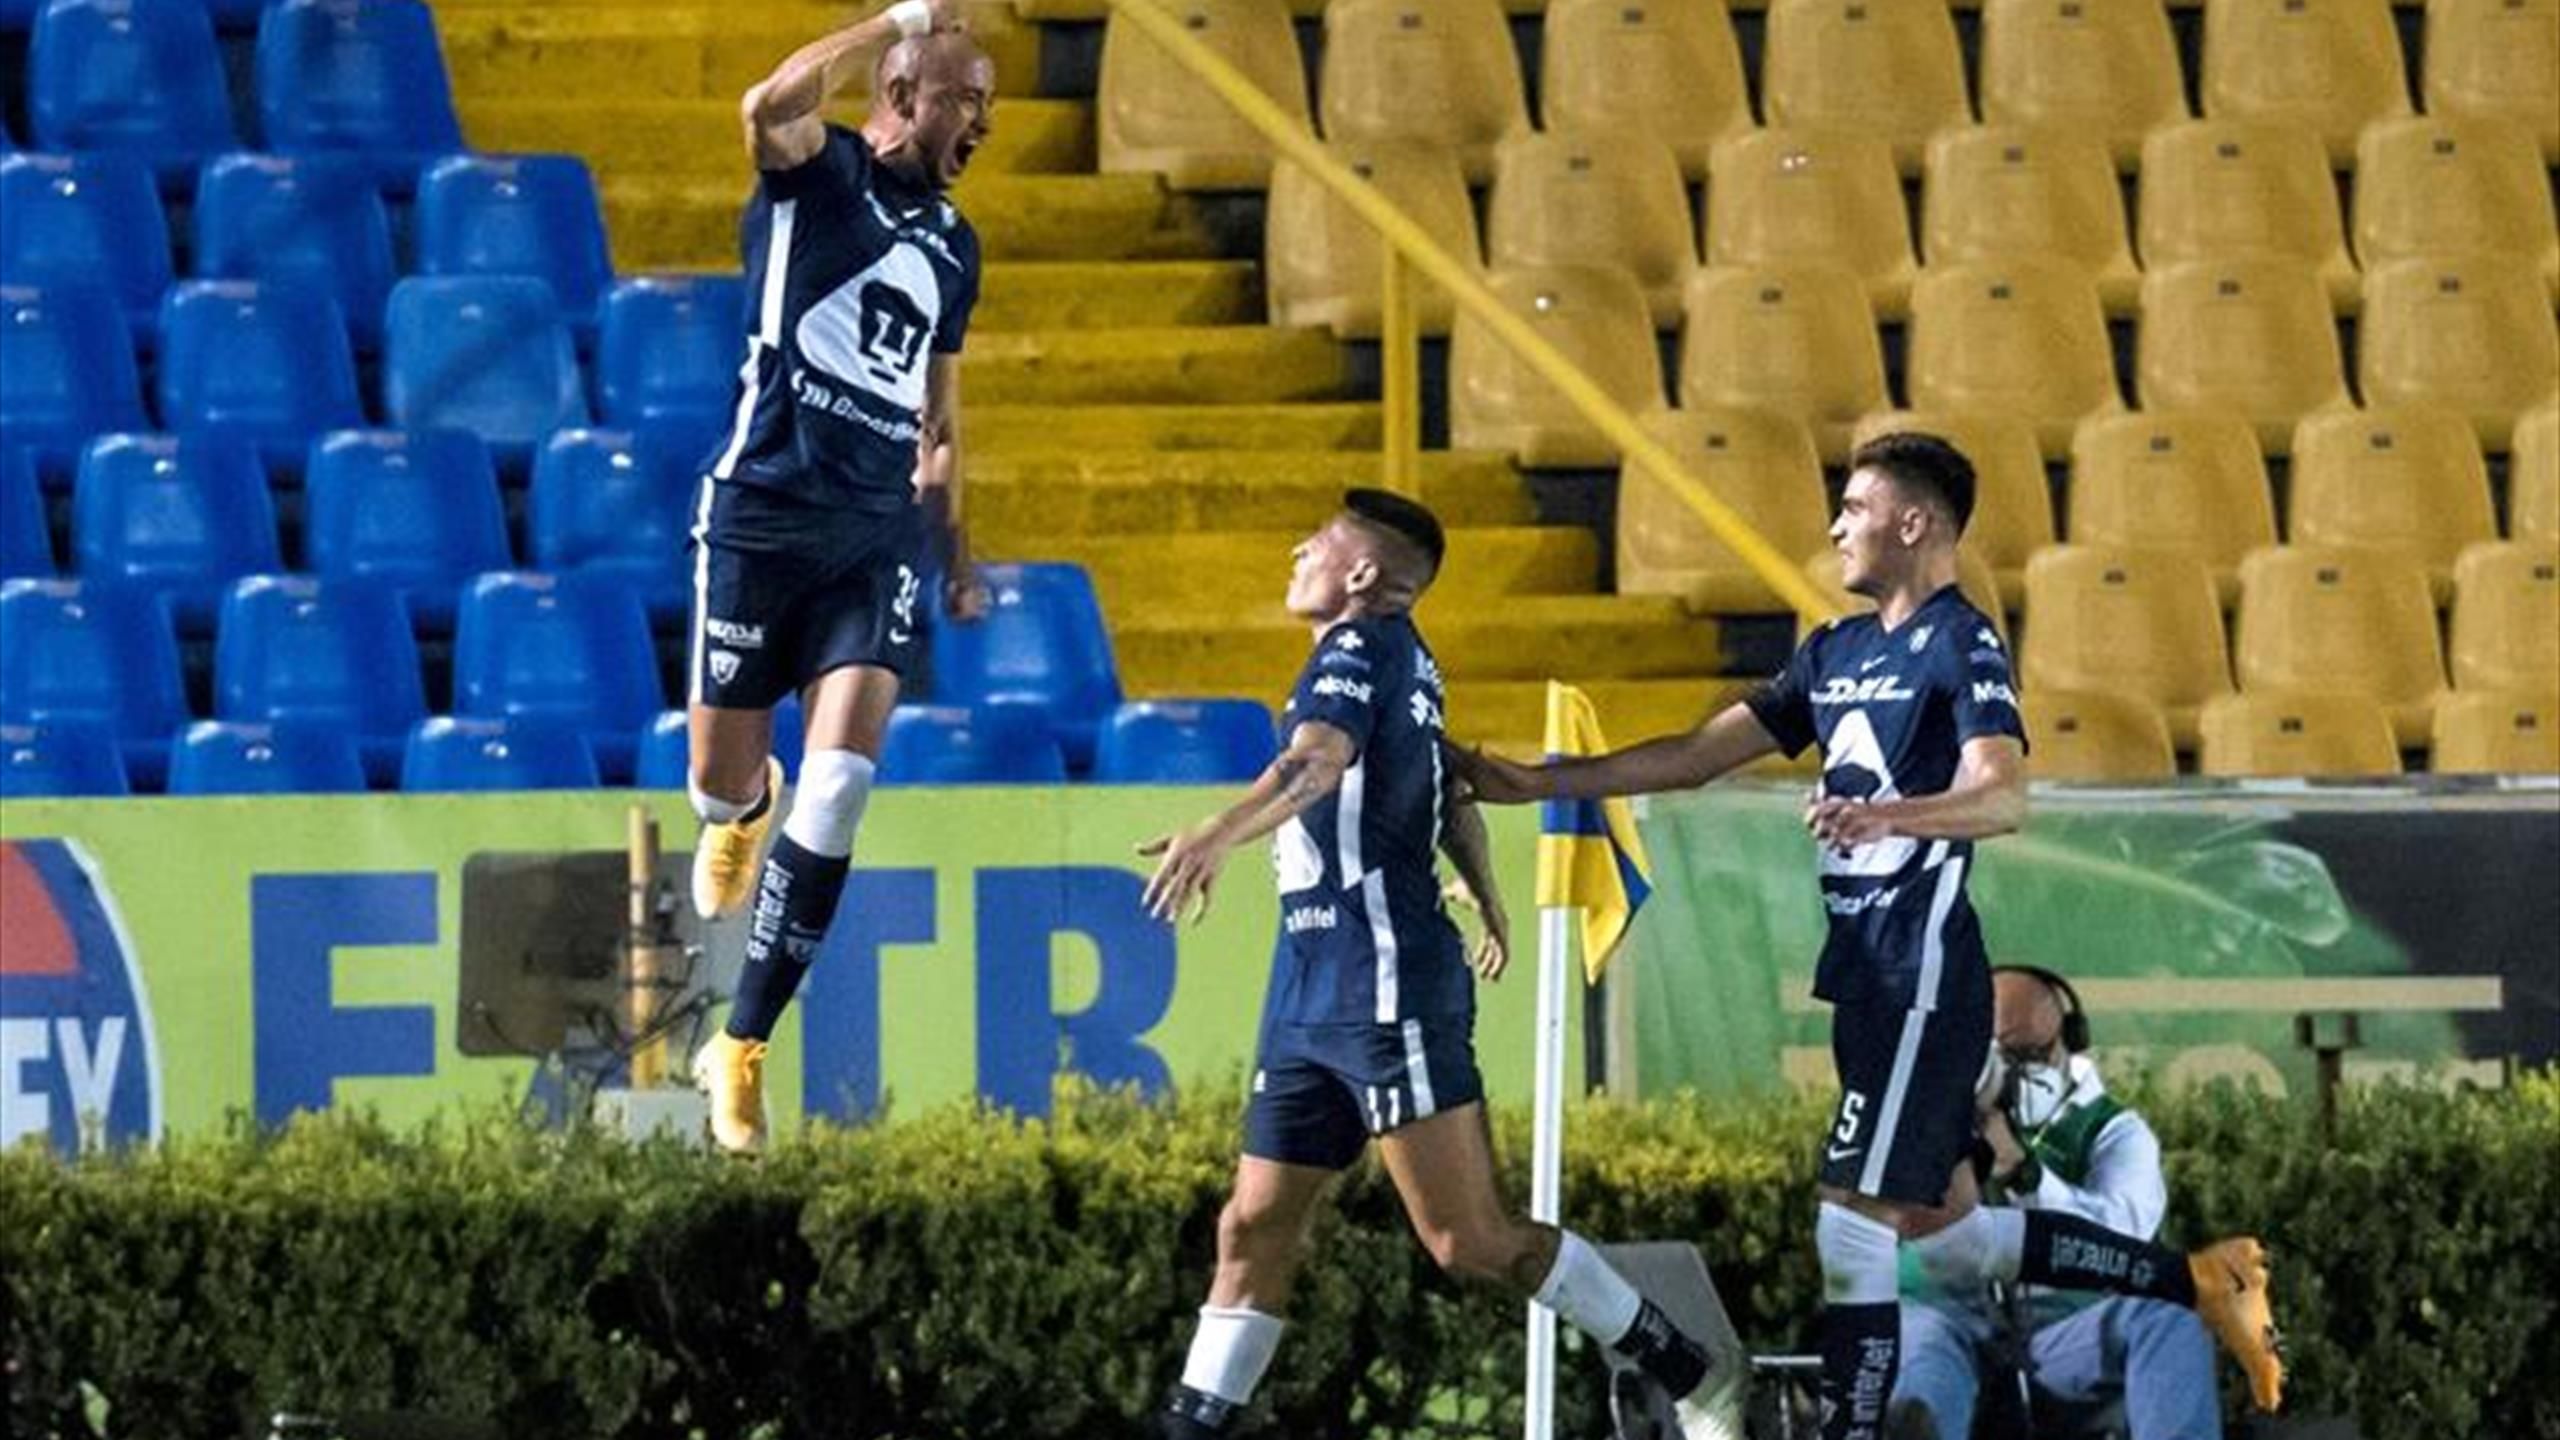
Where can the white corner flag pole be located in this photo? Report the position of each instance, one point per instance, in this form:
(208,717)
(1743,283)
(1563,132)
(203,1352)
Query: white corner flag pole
(1546,1156)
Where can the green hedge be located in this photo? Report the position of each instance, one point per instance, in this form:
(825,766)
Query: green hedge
(962,1276)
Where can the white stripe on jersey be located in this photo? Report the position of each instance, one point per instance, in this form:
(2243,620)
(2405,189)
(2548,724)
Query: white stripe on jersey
(1346,820)
(1889,1114)
(1933,947)
(1382,937)
(701,591)
(768,336)
(1417,1071)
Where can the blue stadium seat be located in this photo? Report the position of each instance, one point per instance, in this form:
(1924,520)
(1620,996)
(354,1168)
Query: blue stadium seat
(450,753)
(26,545)
(363,77)
(314,219)
(139,76)
(229,757)
(1185,742)
(17,15)
(178,516)
(292,650)
(1000,743)
(264,359)
(663,748)
(76,653)
(531,215)
(603,501)
(86,219)
(667,362)
(1042,642)
(484,353)
(550,648)
(66,373)
(417,510)
(241,15)
(43,762)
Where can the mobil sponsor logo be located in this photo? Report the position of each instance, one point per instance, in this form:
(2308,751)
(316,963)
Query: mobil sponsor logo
(77,1061)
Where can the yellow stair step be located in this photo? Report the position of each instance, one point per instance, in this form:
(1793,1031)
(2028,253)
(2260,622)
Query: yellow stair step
(1517,638)
(1172,365)
(672,51)
(1110,294)
(1336,425)
(1023,499)
(1240,572)
(1511,715)
(685,222)
(621,135)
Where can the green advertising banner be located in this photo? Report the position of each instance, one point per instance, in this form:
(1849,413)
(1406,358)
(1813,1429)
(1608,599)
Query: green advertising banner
(2196,923)
(168,963)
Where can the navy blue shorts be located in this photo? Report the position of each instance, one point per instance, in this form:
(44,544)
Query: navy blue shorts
(1321,1091)
(1906,1114)
(768,618)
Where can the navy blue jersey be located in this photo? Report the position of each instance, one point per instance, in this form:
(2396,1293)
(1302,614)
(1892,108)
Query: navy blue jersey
(1363,938)
(855,278)
(1892,710)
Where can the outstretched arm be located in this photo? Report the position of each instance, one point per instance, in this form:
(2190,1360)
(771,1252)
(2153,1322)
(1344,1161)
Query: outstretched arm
(1729,740)
(785,113)
(1469,846)
(1187,869)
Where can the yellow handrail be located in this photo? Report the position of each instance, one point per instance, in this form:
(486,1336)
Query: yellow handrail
(1406,243)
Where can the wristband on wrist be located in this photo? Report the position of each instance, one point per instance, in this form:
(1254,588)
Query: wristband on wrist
(912,17)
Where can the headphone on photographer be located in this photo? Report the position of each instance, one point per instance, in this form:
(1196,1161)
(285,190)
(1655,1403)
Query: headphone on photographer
(2075,1019)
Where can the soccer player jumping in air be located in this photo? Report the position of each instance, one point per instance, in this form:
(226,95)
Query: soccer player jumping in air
(841,472)
(1923,754)
(1368,1027)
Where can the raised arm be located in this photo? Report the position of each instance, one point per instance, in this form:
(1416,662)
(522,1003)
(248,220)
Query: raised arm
(1469,846)
(1729,740)
(1306,772)
(938,486)
(785,112)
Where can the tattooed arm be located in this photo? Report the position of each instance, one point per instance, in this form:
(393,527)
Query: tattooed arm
(1187,867)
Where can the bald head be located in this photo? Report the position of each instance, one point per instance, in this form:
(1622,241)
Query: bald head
(2026,1014)
(946,56)
(930,105)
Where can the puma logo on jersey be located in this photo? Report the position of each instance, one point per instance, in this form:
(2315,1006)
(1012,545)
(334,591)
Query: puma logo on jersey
(1841,690)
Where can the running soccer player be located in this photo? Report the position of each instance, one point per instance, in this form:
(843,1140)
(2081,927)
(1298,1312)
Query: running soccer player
(1923,754)
(1368,1026)
(841,472)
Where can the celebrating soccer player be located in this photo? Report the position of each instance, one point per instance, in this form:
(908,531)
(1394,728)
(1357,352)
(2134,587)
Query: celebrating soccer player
(1923,754)
(1368,1027)
(840,473)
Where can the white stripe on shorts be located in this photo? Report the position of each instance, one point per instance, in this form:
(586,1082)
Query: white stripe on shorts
(1417,1071)
(1889,1113)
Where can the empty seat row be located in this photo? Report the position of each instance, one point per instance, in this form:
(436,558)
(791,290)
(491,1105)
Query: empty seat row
(2474,335)
(2210,190)
(2103,736)
(358,77)
(2407,482)
(1445,73)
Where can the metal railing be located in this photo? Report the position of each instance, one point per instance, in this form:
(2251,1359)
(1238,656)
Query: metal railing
(1408,251)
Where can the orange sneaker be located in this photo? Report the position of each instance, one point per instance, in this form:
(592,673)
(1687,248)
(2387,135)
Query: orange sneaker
(731,1072)
(727,859)
(2231,1298)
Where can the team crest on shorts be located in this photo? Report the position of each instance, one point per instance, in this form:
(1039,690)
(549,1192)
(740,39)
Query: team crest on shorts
(724,666)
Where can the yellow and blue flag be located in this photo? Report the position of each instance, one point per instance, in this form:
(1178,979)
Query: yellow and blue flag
(1589,855)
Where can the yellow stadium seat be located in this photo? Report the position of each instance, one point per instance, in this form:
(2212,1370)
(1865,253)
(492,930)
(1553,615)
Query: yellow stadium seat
(2496,732)
(2252,335)
(2497,58)
(1585,198)
(2012,503)
(2332,66)
(2533,475)
(1597,317)
(2140,623)
(1668,70)
(2228,189)
(2429,185)
(2103,68)
(1321,263)
(1781,196)
(2327,619)
(2506,617)
(1153,115)
(1888,67)
(2408,481)
(1438,72)
(2191,481)
(1797,339)
(2322,735)
(2471,333)
(1763,465)
(1974,581)
(2025,337)
(2096,735)
(2003,192)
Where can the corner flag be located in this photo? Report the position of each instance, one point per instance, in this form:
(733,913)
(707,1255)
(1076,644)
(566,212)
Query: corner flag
(1589,855)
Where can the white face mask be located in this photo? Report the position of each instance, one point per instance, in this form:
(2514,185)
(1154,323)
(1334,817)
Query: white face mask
(2040,1091)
